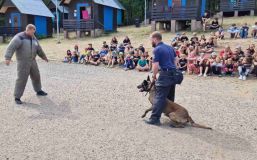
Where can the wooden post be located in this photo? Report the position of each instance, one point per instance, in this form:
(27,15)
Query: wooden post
(160,26)
(173,26)
(252,13)
(193,25)
(153,26)
(236,14)
(66,34)
(92,33)
(78,34)
(1,39)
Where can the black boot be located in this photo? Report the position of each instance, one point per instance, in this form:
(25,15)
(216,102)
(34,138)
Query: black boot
(41,93)
(18,101)
(153,121)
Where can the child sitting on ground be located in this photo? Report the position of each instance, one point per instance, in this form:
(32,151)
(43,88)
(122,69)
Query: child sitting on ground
(216,67)
(121,54)
(255,65)
(244,31)
(103,53)
(220,33)
(254,31)
(86,56)
(113,58)
(244,68)
(129,64)
(229,67)
(251,49)
(75,57)
(142,65)
(182,63)
(67,58)
(136,57)
(234,31)
(204,65)
(95,58)
(192,65)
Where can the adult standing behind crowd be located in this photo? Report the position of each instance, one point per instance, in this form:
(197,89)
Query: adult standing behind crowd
(27,48)
(165,60)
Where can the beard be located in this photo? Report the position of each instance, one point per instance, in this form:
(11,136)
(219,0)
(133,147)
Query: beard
(153,45)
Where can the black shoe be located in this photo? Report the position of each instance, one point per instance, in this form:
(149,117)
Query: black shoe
(155,122)
(41,93)
(18,101)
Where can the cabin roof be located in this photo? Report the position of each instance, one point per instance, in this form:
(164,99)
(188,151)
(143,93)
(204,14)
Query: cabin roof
(32,7)
(109,3)
(61,8)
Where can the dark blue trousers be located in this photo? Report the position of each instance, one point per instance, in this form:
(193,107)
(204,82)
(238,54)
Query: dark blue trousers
(165,88)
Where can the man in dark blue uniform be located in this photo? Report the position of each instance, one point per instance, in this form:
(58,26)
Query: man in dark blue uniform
(165,61)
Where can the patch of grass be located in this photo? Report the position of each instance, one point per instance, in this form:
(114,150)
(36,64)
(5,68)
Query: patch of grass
(137,35)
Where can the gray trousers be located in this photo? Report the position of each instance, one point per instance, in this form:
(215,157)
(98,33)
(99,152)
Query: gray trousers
(26,68)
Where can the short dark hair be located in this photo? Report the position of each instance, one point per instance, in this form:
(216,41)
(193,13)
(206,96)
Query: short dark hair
(156,35)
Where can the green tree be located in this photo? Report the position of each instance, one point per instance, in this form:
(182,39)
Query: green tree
(134,9)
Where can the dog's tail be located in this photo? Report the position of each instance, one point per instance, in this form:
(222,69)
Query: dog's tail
(193,124)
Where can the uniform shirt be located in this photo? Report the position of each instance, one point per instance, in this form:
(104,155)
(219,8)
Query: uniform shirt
(26,48)
(165,55)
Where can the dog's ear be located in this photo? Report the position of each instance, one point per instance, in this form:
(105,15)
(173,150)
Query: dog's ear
(148,78)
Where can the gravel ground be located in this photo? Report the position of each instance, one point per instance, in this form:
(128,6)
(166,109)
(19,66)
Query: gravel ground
(94,113)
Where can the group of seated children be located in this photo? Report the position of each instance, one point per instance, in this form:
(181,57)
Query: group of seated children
(122,54)
(234,31)
(195,60)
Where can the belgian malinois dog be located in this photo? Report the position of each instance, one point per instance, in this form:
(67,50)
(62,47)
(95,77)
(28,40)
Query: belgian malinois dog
(178,115)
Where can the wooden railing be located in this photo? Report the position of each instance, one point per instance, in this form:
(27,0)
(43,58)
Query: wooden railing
(82,25)
(228,6)
(175,13)
(9,31)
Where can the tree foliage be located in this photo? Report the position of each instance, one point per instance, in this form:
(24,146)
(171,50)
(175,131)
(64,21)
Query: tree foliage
(134,9)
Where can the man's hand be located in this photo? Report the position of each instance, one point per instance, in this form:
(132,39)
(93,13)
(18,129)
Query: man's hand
(45,59)
(7,62)
(154,77)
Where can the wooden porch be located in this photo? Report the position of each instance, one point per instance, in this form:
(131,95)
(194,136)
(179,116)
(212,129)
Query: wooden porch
(228,6)
(81,25)
(9,31)
(165,13)
(94,28)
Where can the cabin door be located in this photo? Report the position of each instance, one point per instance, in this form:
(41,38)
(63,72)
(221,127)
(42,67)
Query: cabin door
(16,20)
(83,11)
(108,18)
(41,25)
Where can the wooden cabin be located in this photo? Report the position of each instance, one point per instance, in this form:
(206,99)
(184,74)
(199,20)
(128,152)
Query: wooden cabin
(62,12)
(237,7)
(19,13)
(172,14)
(92,16)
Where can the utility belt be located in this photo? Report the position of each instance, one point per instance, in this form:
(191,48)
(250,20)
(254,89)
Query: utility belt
(169,77)
(167,69)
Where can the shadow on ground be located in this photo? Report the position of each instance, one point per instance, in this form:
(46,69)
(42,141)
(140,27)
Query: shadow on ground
(214,137)
(47,109)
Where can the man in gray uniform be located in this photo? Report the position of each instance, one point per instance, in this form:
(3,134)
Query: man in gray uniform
(27,48)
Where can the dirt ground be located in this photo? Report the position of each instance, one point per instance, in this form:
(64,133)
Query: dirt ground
(94,113)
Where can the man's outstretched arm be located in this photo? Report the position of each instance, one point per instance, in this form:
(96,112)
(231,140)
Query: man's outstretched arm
(12,47)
